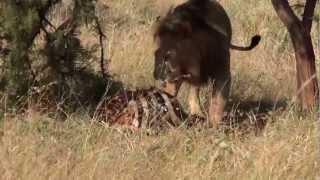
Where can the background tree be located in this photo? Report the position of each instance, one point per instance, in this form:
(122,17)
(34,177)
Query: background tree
(299,30)
(62,60)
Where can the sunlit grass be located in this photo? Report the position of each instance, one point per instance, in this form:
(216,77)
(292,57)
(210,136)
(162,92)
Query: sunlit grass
(37,145)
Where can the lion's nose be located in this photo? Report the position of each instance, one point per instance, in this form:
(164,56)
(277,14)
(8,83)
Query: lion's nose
(163,83)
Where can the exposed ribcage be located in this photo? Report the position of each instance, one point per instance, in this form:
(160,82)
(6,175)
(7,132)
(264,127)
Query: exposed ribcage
(142,108)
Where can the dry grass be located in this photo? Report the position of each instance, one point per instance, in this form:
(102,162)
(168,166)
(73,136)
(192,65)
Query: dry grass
(37,146)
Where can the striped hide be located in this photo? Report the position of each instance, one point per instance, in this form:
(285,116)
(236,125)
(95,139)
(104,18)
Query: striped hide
(144,108)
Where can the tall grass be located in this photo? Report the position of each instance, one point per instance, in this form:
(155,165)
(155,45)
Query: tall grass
(37,145)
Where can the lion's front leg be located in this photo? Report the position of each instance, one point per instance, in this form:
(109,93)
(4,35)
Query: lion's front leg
(218,102)
(194,101)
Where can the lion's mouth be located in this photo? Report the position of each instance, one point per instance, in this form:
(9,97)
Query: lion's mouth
(171,85)
(170,88)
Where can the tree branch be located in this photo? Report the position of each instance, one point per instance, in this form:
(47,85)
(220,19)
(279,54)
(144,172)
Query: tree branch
(101,37)
(36,31)
(290,20)
(49,23)
(305,57)
(285,13)
(308,14)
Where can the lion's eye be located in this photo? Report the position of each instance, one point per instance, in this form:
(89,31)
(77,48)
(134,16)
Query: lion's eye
(168,55)
(166,58)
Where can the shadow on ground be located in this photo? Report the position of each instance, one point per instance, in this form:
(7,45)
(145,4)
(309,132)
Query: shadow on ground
(250,116)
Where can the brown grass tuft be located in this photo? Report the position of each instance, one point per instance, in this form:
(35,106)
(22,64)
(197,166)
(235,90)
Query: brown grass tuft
(37,146)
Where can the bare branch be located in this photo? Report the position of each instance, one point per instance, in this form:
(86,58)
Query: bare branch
(49,23)
(290,20)
(285,13)
(101,38)
(308,14)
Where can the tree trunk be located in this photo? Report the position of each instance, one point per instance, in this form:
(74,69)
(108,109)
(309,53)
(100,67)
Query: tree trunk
(307,90)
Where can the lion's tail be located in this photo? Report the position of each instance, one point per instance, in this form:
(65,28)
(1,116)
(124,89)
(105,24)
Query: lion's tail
(254,42)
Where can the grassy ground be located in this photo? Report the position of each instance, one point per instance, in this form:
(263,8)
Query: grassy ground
(35,146)
(284,146)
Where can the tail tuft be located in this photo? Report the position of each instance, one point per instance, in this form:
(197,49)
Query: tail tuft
(255,41)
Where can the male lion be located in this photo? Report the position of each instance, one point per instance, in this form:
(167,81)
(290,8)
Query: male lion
(193,46)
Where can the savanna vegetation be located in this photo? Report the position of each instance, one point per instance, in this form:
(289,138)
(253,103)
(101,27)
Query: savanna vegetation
(63,56)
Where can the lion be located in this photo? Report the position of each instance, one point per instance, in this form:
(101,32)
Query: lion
(193,45)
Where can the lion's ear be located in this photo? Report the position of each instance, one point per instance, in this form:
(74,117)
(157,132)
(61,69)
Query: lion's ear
(185,29)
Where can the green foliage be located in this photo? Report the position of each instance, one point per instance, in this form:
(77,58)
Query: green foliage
(21,26)
(63,50)
(63,56)
(84,10)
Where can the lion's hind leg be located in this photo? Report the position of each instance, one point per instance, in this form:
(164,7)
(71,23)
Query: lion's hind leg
(218,101)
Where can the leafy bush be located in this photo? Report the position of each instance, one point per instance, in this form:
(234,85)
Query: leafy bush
(62,60)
